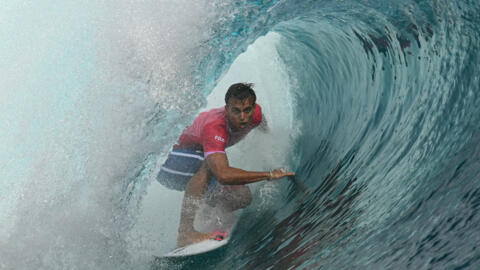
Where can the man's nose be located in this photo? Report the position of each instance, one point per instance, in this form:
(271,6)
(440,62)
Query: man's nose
(242,115)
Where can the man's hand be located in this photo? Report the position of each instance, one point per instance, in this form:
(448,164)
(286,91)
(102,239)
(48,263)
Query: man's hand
(279,173)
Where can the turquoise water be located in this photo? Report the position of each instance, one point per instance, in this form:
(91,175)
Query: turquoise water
(378,102)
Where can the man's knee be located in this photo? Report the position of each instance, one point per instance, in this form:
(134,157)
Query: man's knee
(236,197)
(244,196)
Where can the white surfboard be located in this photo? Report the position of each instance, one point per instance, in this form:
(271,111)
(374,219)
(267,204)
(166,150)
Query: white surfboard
(207,220)
(197,248)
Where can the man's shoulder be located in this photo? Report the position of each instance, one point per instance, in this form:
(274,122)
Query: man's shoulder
(211,115)
(217,125)
(215,122)
(215,133)
(257,116)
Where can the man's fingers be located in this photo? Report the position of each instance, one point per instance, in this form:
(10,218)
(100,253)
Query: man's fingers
(280,173)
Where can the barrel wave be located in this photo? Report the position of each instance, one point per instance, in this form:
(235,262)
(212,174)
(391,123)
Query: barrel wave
(387,95)
(378,101)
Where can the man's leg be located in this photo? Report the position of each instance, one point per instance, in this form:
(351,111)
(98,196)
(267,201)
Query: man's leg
(192,198)
(231,198)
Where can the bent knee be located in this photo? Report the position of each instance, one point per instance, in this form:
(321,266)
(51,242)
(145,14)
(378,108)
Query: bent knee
(238,197)
(245,197)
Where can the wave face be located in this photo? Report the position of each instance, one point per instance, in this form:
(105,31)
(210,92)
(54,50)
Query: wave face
(386,107)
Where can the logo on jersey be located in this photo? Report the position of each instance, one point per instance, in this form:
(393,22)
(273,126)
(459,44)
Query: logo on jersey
(218,138)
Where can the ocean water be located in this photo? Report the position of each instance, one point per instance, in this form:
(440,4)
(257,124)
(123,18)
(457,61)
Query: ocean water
(374,104)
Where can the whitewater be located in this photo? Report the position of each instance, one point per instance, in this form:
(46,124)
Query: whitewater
(374,104)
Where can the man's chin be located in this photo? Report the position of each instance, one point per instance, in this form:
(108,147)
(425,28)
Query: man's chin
(240,127)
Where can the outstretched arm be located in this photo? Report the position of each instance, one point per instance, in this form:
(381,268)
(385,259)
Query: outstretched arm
(218,165)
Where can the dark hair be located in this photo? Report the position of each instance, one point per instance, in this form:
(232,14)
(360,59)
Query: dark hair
(240,91)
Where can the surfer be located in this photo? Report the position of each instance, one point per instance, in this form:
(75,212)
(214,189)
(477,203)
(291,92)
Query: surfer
(200,155)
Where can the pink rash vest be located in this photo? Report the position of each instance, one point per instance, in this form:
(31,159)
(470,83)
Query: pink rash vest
(211,133)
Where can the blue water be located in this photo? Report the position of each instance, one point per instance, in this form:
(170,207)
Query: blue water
(378,102)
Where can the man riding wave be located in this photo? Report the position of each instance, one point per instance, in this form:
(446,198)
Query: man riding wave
(200,155)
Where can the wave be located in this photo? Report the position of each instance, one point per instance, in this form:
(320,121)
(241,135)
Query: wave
(374,104)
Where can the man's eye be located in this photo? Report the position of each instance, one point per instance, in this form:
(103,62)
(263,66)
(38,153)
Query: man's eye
(247,110)
(236,111)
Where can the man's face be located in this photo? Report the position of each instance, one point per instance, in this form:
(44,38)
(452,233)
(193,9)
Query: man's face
(240,113)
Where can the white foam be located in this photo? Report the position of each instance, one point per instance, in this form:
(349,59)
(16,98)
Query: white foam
(79,85)
(261,65)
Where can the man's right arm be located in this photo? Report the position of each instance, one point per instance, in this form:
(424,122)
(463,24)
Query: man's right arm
(218,165)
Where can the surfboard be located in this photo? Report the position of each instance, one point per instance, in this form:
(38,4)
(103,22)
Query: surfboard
(197,248)
(207,220)
(194,256)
